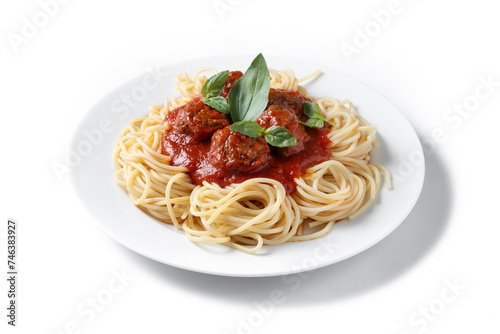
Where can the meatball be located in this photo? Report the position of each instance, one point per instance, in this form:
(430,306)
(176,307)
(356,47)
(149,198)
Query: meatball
(231,80)
(287,99)
(236,152)
(276,115)
(199,120)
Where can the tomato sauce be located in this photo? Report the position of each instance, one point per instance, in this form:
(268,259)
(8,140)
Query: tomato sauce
(193,153)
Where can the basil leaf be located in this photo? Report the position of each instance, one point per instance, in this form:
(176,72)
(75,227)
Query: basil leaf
(248,128)
(314,123)
(214,85)
(279,137)
(218,103)
(250,94)
(315,115)
(312,110)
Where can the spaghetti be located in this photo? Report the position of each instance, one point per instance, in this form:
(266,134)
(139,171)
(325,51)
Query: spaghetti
(257,211)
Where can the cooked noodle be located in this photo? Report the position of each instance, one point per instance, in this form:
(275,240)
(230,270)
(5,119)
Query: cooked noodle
(258,211)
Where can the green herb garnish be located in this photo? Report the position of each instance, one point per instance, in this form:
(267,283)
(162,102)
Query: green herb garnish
(218,103)
(316,118)
(246,101)
(276,135)
(279,136)
(211,90)
(214,84)
(250,94)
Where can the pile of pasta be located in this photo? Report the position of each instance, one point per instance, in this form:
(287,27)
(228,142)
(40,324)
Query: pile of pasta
(257,212)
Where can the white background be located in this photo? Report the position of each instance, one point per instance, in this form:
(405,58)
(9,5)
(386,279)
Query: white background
(428,58)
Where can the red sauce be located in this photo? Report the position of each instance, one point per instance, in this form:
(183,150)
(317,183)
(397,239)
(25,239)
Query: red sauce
(188,151)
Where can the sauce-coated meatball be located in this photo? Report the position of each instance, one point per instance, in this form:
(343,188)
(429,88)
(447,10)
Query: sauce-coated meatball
(287,99)
(199,120)
(276,115)
(237,152)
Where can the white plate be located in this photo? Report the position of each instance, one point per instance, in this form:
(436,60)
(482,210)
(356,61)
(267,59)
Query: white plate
(110,207)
